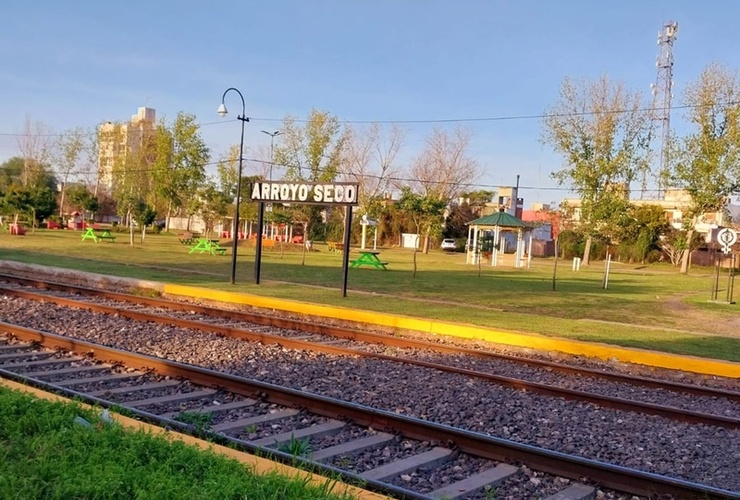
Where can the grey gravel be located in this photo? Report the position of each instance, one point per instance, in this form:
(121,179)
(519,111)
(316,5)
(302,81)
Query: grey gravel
(694,452)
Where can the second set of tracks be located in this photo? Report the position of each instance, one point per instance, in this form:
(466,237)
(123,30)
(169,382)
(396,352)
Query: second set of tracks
(293,334)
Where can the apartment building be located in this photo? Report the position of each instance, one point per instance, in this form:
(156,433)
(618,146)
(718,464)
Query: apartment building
(118,139)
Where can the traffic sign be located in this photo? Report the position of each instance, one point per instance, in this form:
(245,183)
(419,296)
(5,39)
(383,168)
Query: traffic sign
(726,237)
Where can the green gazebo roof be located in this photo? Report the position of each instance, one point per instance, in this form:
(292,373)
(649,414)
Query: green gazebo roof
(501,219)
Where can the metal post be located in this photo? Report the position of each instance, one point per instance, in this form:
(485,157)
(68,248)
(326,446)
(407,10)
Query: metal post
(235,234)
(716,278)
(272,147)
(345,257)
(258,242)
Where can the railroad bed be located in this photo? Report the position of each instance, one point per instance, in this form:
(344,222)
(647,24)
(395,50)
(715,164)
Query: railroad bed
(390,462)
(464,401)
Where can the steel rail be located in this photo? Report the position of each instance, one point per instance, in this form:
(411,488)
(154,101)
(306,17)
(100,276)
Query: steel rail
(607,475)
(374,338)
(622,404)
(218,438)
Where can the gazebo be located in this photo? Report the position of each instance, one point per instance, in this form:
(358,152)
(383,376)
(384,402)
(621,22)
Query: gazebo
(498,222)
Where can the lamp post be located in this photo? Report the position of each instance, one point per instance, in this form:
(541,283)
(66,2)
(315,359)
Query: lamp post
(272,147)
(222,111)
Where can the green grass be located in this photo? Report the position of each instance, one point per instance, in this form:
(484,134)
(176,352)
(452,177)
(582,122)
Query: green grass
(652,307)
(44,454)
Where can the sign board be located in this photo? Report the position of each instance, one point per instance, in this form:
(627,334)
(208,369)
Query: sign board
(726,237)
(316,193)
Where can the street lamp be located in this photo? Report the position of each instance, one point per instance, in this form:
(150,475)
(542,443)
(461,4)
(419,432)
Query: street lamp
(222,111)
(272,147)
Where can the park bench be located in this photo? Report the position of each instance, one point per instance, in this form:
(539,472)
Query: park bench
(211,246)
(332,246)
(369,258)
(339,247)
(186,238)
(268,244)
(107,236)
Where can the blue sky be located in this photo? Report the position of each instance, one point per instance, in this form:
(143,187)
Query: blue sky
(81,62)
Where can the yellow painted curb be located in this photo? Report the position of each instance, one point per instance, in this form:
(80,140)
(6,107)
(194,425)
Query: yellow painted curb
(625,354)
(258,464)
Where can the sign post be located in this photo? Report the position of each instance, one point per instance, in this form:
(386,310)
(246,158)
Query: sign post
(308,193)
(726,237)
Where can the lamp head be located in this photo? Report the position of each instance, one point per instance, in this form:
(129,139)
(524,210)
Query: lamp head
(222,110)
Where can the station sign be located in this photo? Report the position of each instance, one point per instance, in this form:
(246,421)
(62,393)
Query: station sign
(315,193)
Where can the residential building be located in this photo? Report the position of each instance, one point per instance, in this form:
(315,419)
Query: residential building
(674,204)
(118,139)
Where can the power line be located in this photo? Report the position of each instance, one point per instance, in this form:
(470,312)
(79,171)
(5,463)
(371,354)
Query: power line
(443,120)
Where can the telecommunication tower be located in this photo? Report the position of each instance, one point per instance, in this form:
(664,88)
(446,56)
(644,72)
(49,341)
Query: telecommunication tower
(662,91)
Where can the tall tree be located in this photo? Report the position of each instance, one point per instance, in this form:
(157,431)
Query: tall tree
(69,148)
(370,160)
(602,132)
(708,160)
(180,157)
(424,210)
(444,168)
(312,152)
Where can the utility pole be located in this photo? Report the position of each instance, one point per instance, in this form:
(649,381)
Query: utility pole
(662,91)
(272,147)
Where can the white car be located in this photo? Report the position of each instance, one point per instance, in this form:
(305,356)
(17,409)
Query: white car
(448,245)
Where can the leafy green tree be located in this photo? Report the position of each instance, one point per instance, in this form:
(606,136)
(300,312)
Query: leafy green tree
(601,129)
(10,173)
(144,215)
(312,152)
(708,160)
(456,223)
(180,157)
(424,210)
(213,206)
(640,231)
(36,203)
(82,199)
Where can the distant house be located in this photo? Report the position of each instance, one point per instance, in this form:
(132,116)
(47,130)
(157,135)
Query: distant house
(674,204)
(545,224)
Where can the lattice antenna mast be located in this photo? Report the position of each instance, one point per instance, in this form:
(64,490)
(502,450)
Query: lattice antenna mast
(662,91)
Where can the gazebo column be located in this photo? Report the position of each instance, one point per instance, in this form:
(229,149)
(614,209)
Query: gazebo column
(519,248)
(496,244)
(468,257)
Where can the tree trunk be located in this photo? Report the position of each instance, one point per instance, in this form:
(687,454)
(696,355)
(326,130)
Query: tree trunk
(687,252)
(426,242)
(130,228)
(61,202)
(305,236)
(555,266)
(587,251)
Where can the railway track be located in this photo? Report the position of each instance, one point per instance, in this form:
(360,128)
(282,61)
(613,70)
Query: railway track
(384,451)
(560,380)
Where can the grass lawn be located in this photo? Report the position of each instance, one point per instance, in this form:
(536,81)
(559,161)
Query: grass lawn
(652,307)
(45,454)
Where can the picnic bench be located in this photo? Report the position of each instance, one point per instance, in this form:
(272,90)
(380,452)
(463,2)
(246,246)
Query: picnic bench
(187,238)
(207,245)
(268,244)
(335,246)
(369,258)
(90,234)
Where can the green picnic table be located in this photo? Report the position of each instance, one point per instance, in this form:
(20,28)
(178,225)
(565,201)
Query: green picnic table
(206,245)
(90,234)
(369,258)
